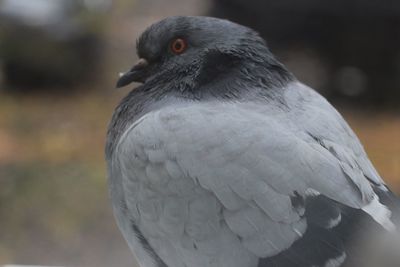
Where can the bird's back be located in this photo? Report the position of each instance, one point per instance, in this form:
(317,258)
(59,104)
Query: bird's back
(246,184)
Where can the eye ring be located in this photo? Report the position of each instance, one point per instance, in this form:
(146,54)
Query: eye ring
(178,46)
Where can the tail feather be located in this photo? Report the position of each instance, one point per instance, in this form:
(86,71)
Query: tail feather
(338,235)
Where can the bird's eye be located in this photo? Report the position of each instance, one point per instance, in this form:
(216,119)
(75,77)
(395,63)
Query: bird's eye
(178,46)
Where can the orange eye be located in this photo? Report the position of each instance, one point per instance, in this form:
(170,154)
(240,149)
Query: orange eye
(178,46)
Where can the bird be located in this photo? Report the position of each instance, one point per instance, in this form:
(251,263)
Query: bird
(222,157)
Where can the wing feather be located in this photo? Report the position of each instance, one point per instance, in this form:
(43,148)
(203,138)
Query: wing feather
(245,161)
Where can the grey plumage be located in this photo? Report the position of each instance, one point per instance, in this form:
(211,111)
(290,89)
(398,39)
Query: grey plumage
(220,156)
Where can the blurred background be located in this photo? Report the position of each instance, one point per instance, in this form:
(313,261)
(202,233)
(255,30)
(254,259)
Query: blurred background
(59,61)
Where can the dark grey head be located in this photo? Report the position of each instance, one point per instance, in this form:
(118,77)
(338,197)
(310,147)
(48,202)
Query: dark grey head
(188,53)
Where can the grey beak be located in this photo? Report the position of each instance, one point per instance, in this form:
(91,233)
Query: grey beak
(135,74)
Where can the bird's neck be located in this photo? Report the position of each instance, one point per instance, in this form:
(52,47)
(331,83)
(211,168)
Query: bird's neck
(235,80)
(240,82)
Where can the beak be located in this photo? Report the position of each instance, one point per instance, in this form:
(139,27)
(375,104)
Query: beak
(135,74)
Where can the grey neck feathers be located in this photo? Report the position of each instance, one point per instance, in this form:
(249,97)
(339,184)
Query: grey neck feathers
(219,76)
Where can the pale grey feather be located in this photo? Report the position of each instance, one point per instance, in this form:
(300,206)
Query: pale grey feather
(204,174)
(324,122)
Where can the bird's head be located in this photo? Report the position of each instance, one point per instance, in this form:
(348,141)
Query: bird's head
(193,51)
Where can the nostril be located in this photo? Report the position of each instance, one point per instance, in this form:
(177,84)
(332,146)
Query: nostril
(142,63)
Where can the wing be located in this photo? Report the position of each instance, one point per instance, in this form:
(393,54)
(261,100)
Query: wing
(223,184)
(315,116)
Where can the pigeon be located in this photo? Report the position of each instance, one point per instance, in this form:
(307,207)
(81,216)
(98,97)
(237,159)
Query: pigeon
(222,158)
